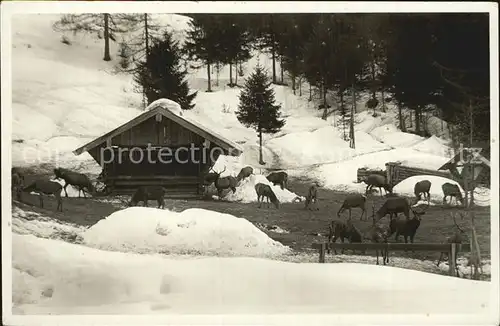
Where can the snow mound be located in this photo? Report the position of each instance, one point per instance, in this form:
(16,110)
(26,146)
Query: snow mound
(245,192)
(405,187)
(389,134)
(167,104)
(62,278)
(193,231)
(26,222)
(435,146)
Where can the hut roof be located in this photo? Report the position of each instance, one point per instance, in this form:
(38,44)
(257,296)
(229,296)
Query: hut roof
(159,108)
(481,159)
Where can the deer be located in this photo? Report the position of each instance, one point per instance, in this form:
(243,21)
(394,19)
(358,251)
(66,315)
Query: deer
(223,183)
(406,228)
(378,234)
(264,190)
(458,237)
(312,196)
(343,230)
(424,187)
(395,205)
(353,201)
(145,193)
(79,180)
(17,183)
(379,181)
(46,187)
(278,178)
(244,173)
(451,190)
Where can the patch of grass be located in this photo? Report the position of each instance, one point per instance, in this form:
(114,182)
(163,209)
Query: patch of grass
(303,225)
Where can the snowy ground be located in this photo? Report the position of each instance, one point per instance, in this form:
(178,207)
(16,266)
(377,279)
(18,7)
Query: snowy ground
(99,273)
(65,95)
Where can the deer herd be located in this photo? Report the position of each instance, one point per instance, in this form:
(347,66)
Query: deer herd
(337,228)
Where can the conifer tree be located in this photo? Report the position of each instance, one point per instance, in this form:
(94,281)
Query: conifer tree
(257,108)
(162,75)
(203,43)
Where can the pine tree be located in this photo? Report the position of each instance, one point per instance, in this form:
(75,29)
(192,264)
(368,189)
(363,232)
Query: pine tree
(203,42)
(103,25)
(257,108)
(162,75)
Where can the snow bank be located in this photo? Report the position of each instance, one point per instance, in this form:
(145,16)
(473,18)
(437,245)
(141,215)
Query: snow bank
(342,176)
(193,231)
(245,192)
(405,187)
(26,222)
(435,146)
(166,104)
(60,278)
(389,134)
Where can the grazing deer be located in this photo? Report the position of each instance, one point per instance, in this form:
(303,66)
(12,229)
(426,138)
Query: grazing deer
(79,180)
(378,234)
(424,187)
(406,228)
(395,205)
(46,187)
(458,237)
(278,178)
(264,190)
(353,201)
(452,190)
(223,183)
(244,173)
(312,196)
(379,181)
(145,193)
(343,230)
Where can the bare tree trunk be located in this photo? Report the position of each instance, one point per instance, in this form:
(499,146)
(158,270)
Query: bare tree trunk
(310,93)
(293,84)
(146,35)
(417,121)
(471,143)
(231,75)
(401,120)
(236,75)
(282,71)
(107,56)
(352,142)
(325,112)
(383,100)
(209,88)
(146,41)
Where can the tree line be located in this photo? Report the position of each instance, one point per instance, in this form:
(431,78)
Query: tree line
(416,61)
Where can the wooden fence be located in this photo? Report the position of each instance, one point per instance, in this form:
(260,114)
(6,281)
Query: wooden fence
(451,248)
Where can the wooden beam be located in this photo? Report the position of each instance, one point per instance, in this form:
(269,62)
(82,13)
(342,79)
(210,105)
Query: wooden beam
(159,117)
(108,142)
(438,247)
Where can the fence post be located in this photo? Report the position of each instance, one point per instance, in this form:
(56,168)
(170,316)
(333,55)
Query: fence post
(453,258)
(322,253)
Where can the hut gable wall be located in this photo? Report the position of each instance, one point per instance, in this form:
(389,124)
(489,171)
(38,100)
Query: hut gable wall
(157,133)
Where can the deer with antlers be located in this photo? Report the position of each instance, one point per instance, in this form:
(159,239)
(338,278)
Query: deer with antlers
(228,182)
(458,237)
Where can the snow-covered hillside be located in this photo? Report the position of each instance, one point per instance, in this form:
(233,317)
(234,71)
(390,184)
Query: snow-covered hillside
(65,94)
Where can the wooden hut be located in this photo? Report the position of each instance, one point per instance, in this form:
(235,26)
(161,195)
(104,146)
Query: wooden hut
(158,147)
(480,165)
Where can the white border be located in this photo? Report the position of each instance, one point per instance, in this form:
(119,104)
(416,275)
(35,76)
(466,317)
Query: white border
(25,7)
